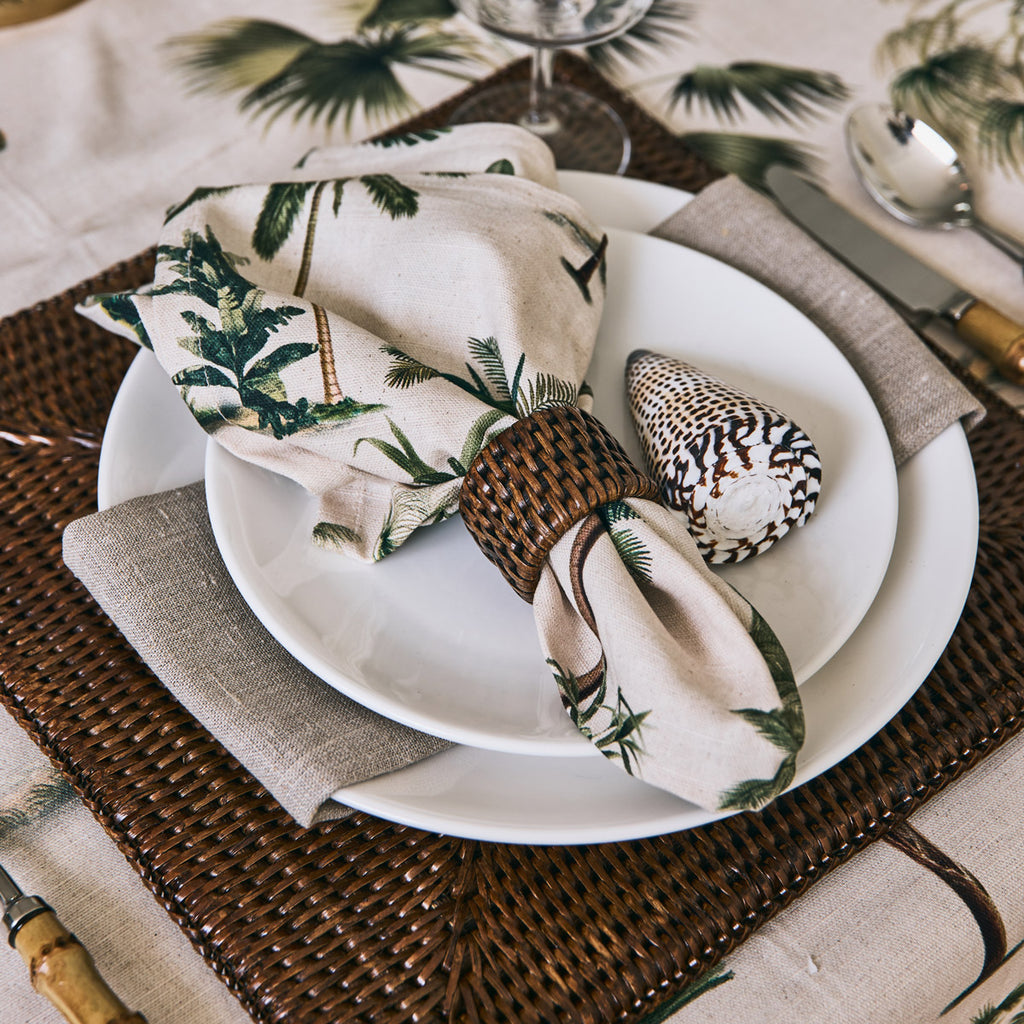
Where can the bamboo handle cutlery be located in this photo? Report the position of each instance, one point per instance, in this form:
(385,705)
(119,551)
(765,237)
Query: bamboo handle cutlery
(60,967)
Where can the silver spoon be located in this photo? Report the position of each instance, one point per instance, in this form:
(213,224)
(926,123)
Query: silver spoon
(915,174)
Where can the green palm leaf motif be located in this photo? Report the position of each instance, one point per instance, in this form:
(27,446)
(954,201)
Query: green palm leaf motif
(238,54)
(621,737)
(410,510)
(665,22)
(992,1013)
(406,371)
(234,347)
(963,78)
(778,665)
(405,457)
(329,80)
(284,202)
(595,245)
(410,138)
(544,391)
(715,977)
(392,12)
(782,727)
(948,87)
(334,535)
(920,36)
(390,195)
(1011,1000)
(280,70)
(748,156)
(617,511)
(754,793)
(34,796)
(201,268)
(1001,133)
(478,436)
(281,207)
(777,726)
(572,696)
(436,492)
(339,190)
(196,196)
(486,352)
(203,377)
(493,387)
(635,555)
(121,308)
(407,511)
(502,166)
(988,1014)
(782,93)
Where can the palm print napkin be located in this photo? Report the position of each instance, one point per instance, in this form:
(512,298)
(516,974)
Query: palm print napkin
(369,332)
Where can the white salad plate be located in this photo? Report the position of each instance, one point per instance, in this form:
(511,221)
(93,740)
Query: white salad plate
(152,443)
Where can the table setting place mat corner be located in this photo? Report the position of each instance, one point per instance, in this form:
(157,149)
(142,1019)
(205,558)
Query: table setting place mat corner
(443,927)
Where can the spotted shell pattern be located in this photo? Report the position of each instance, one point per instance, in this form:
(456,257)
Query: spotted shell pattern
(742,471)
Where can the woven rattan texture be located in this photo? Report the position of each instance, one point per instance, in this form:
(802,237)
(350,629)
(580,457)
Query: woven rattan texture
(361,920)
(537,479)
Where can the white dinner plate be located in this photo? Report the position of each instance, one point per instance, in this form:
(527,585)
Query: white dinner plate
(152,443)
(337,616)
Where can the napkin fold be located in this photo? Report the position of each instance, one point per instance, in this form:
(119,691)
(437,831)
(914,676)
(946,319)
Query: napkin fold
(916,396)
(371,334)
(152,565)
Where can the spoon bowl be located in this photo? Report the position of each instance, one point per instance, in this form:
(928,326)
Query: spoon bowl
(914,173)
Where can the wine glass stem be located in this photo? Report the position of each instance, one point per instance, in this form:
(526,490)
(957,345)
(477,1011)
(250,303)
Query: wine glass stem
(539,118)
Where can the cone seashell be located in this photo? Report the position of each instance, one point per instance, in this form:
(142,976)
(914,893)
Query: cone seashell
(743,472)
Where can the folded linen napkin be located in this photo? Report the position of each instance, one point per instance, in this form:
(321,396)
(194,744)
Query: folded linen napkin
(917,398)
(152,565)
(389,348)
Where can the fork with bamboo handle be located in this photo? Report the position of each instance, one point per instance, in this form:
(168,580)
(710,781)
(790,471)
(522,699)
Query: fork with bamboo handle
(60,966)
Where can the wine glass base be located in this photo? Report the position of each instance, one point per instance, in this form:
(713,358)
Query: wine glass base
(583,132)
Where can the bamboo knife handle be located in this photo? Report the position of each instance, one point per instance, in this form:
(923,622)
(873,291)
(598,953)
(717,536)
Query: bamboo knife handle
(996,337)
(62,970)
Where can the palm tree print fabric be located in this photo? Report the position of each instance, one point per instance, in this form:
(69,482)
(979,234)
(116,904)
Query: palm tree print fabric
(368,327)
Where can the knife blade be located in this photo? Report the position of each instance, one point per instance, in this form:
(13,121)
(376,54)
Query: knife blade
(918,292)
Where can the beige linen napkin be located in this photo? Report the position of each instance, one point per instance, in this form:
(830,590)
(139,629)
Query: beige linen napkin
(153,566)
(368,335)
(916,396)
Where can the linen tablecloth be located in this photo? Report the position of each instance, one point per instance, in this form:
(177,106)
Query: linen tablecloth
(101,124)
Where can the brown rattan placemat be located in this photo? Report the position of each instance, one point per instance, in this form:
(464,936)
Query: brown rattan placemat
(362,920)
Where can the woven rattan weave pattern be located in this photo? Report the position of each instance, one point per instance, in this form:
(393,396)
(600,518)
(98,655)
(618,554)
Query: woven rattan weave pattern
(537,479)
(361,920)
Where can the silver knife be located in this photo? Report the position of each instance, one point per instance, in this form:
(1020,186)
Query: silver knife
(918,292)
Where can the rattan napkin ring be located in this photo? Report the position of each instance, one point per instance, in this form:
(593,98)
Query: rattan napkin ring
(538,478)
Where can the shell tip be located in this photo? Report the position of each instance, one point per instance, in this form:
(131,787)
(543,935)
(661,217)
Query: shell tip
(637,354)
